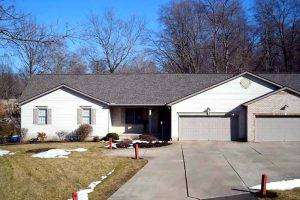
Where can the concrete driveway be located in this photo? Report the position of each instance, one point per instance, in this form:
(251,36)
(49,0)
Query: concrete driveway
(205,170)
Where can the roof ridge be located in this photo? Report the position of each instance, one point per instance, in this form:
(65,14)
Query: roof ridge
(125,74)
(284,73)
(164,73)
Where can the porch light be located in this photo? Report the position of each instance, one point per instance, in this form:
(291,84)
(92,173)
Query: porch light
(207,111)
(284,107)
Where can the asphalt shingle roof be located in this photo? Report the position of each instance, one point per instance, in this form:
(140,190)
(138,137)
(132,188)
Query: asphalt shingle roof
(140,89)
(287,80)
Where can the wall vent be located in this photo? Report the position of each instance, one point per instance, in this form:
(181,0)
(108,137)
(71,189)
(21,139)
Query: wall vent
(245,83)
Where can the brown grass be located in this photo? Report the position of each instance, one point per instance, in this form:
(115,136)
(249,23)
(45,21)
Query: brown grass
(24,177)
(283,195)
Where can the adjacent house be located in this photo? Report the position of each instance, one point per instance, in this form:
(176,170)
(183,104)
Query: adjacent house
(224,107)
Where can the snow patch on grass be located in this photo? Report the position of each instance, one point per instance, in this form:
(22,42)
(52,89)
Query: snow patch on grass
(84,193)
(280,185)
(78,150)
(113,145)
(140,141)
(5,152)
(52,153)
(57,153)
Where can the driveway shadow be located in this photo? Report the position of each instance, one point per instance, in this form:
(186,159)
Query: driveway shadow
(246,196)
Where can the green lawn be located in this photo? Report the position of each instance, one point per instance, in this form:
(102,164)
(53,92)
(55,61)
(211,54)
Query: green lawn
(24,177)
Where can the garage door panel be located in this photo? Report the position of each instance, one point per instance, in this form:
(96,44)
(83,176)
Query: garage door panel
(204,128)
(277,128)
(292,133)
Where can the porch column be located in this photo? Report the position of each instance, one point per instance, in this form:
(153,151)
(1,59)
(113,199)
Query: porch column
(150,119)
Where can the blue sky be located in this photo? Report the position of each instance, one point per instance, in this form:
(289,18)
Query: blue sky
(74,12)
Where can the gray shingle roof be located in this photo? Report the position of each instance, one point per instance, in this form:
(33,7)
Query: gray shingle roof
(140,89)
(287,80)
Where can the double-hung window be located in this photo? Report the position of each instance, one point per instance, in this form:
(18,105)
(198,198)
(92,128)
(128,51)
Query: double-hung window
(86,115)
(42,115)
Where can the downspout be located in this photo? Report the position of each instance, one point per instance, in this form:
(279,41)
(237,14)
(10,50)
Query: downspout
(108,120)
(150,119)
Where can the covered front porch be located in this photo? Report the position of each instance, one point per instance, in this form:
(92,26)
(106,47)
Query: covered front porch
(135,120)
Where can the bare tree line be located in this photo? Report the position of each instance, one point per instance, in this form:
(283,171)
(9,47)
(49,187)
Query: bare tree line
(201,36)
(197,36)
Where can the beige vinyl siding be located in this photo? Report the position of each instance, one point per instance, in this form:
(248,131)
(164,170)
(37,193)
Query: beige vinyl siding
(64,107)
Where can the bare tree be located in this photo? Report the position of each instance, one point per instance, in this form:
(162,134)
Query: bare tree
(57,58)
(203,36)
(32,54)
(115,39)
(277,24)
(141,64)
(97,66)
(10,84)
(179,45)
(230,44)
(31,42)
(76,63)
(61,61)
(12,25)
(9,22)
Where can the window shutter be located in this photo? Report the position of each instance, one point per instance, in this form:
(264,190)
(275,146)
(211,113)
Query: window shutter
(79,116)
(93,116)
(49,116)
(35,115)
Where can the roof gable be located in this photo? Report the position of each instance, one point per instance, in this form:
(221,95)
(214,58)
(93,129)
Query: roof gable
(62,86)
(272,93)
(245,74)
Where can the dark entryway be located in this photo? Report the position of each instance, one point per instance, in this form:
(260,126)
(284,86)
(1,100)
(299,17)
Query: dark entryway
(164,127)
(154,120)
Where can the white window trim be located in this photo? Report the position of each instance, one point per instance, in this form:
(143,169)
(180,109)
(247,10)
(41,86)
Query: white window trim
(46,115)
(83,116)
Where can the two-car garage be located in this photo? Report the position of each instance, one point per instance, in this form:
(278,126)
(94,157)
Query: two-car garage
(224,128)
(273,117)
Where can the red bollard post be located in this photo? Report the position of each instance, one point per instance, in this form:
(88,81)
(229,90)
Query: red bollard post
(110,143)
(75,196)
(263,189)
(136,151)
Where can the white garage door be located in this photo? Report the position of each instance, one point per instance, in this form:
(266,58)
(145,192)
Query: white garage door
(217,128)
(277,128)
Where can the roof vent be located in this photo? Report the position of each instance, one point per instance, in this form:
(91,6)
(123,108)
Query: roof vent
(245,83)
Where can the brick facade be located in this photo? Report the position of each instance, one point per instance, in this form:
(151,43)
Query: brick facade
(272,105)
